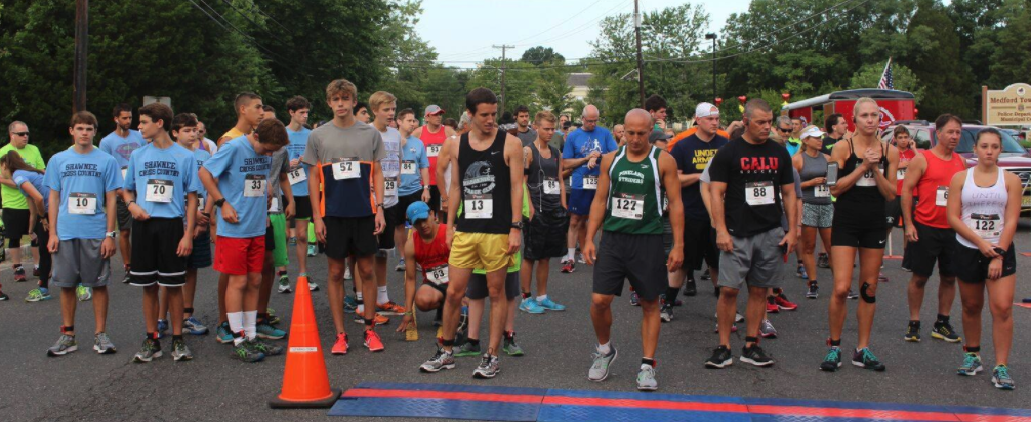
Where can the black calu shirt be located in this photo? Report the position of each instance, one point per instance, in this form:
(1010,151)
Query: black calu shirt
(754,175)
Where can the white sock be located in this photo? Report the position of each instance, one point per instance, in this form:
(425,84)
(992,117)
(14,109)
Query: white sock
(250,319)
(358,296)
(381,295)
(236,325)
(605,348)
(571,253)
(541,298)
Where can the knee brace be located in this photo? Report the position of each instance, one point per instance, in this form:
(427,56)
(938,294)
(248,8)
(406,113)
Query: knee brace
(866,297)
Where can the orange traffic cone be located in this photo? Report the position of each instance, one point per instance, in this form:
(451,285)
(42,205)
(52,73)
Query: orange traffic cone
(305,380)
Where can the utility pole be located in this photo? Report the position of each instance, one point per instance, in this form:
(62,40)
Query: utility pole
(503,67)
(640,58)
(712,36)
(81,42)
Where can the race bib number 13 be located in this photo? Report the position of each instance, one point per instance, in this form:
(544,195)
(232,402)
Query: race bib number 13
(478,206)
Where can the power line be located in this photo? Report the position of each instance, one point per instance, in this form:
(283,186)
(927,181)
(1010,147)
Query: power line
(573,16)
(246,38)
(254,7)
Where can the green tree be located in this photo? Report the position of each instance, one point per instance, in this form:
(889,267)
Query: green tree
(904,80)
(1011,60)
(936,61)
(540,55)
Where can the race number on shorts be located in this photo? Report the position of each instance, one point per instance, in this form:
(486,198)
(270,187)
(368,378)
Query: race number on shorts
(759,193)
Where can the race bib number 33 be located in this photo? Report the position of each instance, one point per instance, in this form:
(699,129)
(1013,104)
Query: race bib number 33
(254,186)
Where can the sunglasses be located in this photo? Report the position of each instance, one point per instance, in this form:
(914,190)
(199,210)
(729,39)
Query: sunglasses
(21,133)
(784,129)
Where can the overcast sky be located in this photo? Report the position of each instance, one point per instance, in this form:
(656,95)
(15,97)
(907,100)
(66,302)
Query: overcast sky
(464,30)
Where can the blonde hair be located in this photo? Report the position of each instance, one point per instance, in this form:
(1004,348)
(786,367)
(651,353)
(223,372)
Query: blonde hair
(861,101)
(378,98)
(341,87)
(545,116)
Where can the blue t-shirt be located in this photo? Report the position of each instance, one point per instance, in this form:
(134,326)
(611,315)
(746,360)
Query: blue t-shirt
(201,156)
(413,157)
(692,156)
(36,179)
(298,140)
(88,177)
(121,148)
(580,144)
(242,177)
(161,179)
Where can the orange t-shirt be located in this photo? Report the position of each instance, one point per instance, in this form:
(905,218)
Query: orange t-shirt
(683,135)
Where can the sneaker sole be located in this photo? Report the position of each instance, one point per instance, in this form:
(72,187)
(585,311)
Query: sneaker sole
(945,339)
(665,320)
(1000,386)
(722,365)
(485,375)
(224,341)
(754,363)
(860,365)
(785,308)
(768,335)
(268,337)
(531,312)
(180,358)
(834,369)
(282,290)
(104,352)
(465,355)
(338,352)
(435,370)
(62,353)
(138,359)
(812,297)
(393,313)
(313,288)
(647,388)
(911,339)
(969,373)
(373,350)
(514,354)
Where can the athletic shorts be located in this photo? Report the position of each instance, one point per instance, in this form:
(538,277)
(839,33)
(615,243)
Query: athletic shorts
(201,255)
(270,237)
(480,250)
(817,215)
(238,255)
(122,214)
(16,225)
(667,236)
(302,208)
(79,261)
(580,201)
(756,260)
(434,198)
(442,287)
(477,288)
(347,236)
(857,236)
(385,240)
(280,257)
(700,245)
(972,266)
(635,257)
(154,257)
(401,209)
(893,213)
(934,244)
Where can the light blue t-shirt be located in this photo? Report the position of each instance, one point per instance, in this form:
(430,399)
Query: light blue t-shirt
(201,156)
(413,158)
(161,179)
(298,140)
(243,178)
(580,144)
(84,179)
(121,148)
(36,179)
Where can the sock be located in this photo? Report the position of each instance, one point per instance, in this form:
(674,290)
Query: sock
(605,348)
(571,253)
(526,295)
(834,343)
(262,317)
(249,327)
(541,298)
(358,297)
(974,349)
(236,326)
(509,335)
(361,309)
(473,341)
(187,311)
(282,273)
(943,319)
(36,266)
(381,295)
(647,361)
(671,295)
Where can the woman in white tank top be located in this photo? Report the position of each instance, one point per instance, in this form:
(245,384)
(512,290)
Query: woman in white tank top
(983,209)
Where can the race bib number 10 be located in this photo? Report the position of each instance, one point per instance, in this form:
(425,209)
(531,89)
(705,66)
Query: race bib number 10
(82,203)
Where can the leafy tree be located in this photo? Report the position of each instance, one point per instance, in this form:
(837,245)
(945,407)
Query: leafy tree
(936,62)
(903,78)
(542,55)
(1011,60)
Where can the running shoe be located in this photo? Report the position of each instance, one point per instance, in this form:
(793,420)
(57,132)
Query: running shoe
(580,258)
(814,291)
(944,331)
(705,274)
(766,329)
(971,365)
(823,261)
(180,351)
(881,278)
(634,299)
(293,241)
(379,319)
(38,294)
(400,265)
(65,345)
(738,317)
(83,293)
(852,294)
(832,361)
(801,272)
(350,304)
(284,283)
(721,358)
(270,332)
(771,306)
(666,312)
(865,359)
(662,299)
(468,349)
(511,348)
(347,274)
(1001,378)
(267,349)
(568,267)
(340,347)
(783,303)
(162,327)
(246,353)
(312,285)
(149,351)
(373,342)
(193,326)
(390,308)
(441,359)
(19,275)
(913,331)
(601,363)
(224,334)
(530,306)
(904,268)
(125,278)
(690,288)
(755,355)
(4,297)
(272,317)
(35,271)
(102,344)
(646,378)
(312,250)
(550,305)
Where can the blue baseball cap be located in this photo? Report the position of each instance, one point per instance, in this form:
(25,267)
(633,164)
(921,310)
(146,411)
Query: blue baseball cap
(417,211)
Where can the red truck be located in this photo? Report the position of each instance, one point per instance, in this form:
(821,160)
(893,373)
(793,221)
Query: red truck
(895,105)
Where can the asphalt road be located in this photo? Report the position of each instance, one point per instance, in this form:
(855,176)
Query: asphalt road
(87,386)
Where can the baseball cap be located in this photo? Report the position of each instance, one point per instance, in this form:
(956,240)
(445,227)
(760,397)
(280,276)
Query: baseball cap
(433,109)
(658,135)
(812,131)
(417,211)
(706,110)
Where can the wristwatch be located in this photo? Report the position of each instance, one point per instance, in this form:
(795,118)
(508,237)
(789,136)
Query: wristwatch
(219,202)
(112,234)
(518,225)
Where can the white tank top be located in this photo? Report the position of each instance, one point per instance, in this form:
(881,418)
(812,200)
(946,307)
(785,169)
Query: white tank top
(984,209)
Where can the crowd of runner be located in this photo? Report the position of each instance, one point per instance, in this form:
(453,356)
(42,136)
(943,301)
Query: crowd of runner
(477,210)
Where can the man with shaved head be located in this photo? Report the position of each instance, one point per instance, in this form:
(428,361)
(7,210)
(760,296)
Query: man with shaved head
(629,209)
(582,153)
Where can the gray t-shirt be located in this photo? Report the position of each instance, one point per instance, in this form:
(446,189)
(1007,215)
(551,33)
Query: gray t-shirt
(329,142)
(527,137)
(391,164)
(280,164)
(348,192)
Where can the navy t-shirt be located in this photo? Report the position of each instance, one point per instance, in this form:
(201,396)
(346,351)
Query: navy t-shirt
(692,156)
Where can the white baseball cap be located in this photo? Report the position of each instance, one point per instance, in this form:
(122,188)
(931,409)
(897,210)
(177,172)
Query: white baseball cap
(706,110)
(812,131)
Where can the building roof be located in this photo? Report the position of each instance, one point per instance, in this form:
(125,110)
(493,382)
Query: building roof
(578,79)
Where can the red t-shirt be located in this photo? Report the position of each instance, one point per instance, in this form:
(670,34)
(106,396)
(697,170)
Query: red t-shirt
(433,142)
(431,255)
(904,157)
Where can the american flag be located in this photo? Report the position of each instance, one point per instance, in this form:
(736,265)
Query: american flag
(886,80)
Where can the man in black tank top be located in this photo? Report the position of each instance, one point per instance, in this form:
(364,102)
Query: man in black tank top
(484,229)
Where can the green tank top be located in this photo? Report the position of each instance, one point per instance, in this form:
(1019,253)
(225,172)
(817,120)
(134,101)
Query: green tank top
(634,203)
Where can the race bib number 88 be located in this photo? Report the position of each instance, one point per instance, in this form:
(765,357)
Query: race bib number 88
(759,193)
